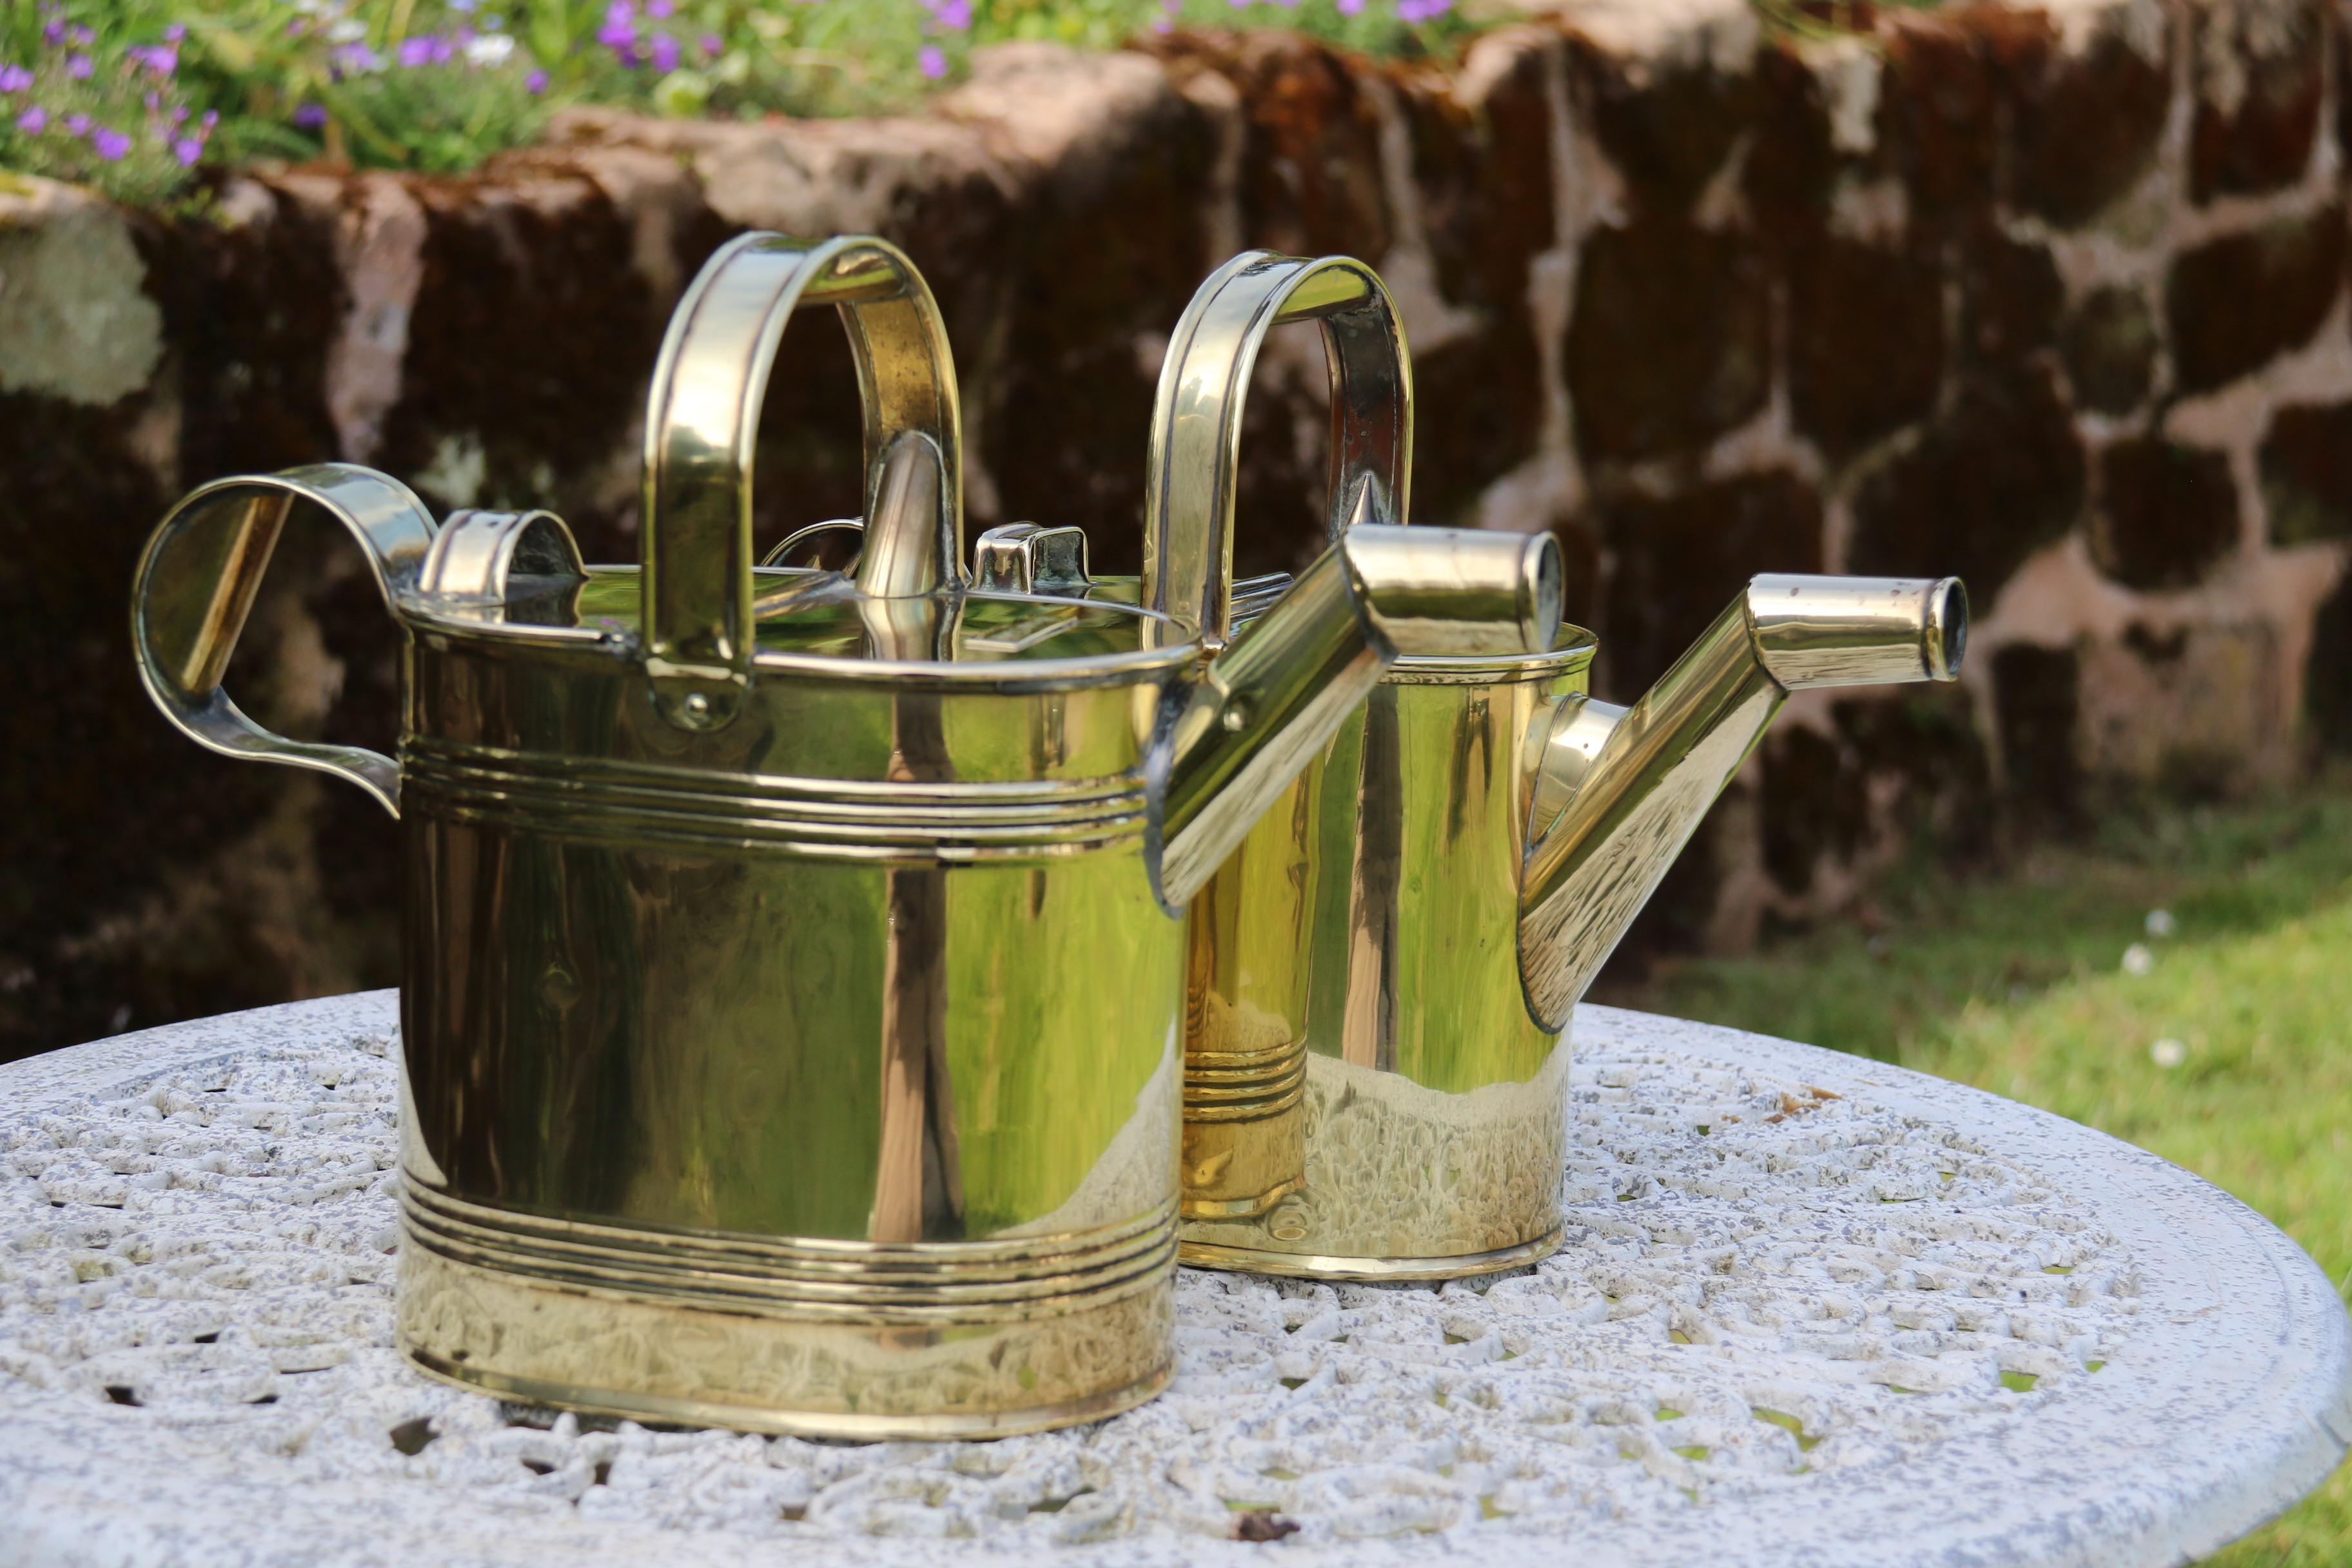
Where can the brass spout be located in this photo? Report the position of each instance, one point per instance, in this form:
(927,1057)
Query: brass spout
(1265,705)
(1616,794)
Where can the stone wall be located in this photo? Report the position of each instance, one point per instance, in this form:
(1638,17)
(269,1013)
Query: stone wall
(2051,297)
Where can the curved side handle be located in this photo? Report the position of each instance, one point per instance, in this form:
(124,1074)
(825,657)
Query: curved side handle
(1196,421)
(195,586)
(703,416)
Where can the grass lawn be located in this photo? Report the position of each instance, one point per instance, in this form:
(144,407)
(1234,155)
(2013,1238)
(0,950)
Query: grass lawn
(2021,985)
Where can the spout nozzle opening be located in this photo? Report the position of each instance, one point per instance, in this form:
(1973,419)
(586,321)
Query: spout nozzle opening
(1947,629)
(1857,631)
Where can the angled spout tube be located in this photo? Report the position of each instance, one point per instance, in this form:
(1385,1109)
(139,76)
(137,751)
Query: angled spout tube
(1265,706)
(1617,792)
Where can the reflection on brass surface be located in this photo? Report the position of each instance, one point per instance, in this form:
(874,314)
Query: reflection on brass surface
(1424,905)
(792,1019)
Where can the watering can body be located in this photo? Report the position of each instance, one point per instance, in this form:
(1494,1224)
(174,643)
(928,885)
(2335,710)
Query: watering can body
(1380,978)
(793,997)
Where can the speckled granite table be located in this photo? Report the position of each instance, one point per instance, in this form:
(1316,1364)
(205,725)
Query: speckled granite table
(1812,1310)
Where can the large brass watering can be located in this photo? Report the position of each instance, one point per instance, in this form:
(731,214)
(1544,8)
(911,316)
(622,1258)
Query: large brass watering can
(1380,977)
(791,998)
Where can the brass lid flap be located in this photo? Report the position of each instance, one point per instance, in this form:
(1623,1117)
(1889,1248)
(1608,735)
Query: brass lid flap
(523,565)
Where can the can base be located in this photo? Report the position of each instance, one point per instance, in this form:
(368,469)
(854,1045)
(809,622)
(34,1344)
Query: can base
(673,1412)
(711,1332)
(1364,1270)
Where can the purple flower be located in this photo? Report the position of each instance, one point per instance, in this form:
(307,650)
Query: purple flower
(15,79)
(79,68)
(76,124)
(163,60)
(414,52)
(295,29)
(187,150)
(713,46)
(932,61)
(34,120)
(175,32)
(110,143)
(621,37)
(660,9)
(53,34)
(621,14)
(311,116)
(1350,8)
(154,100)
(952,14)
(80,38)
(179,115)
(1423,10)
(211,118)
(664,52)
(535,83)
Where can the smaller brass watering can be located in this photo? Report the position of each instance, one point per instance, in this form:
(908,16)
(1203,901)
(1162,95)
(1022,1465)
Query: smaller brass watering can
(792,999)
(1379,978)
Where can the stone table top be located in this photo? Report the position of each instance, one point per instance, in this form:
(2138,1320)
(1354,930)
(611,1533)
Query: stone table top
(1812,1309)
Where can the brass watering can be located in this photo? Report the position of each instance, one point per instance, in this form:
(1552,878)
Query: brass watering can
(792,999)
(1379,978)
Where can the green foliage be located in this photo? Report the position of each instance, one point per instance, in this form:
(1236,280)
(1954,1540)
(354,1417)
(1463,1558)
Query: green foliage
(2223,1049)
(133,96)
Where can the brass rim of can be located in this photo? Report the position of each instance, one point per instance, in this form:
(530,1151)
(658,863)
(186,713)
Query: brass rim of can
(1572,652)
(1365,1270)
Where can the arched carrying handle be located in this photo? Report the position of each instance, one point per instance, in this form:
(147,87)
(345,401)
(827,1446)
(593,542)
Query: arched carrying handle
(703,417)
(1196,421)
(197,582)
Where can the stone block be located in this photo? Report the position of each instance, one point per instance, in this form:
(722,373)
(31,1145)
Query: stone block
(504,399)
(1482,173)
(1680,559)
(1953,76)
(2235,303)
(2306,467)
(1892,768)
(1669,343)
(250,306)
(2109,342)
(1998,476)
(1812,802)
(1075,283)
(2037,703)
(2010,295)
(1865,339)
(1791,161)
(2192,709)
(2087,124)
(2166,513)
(2256,75)
(76,322)
(1310,173)
(1668,125)
(2326,695)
